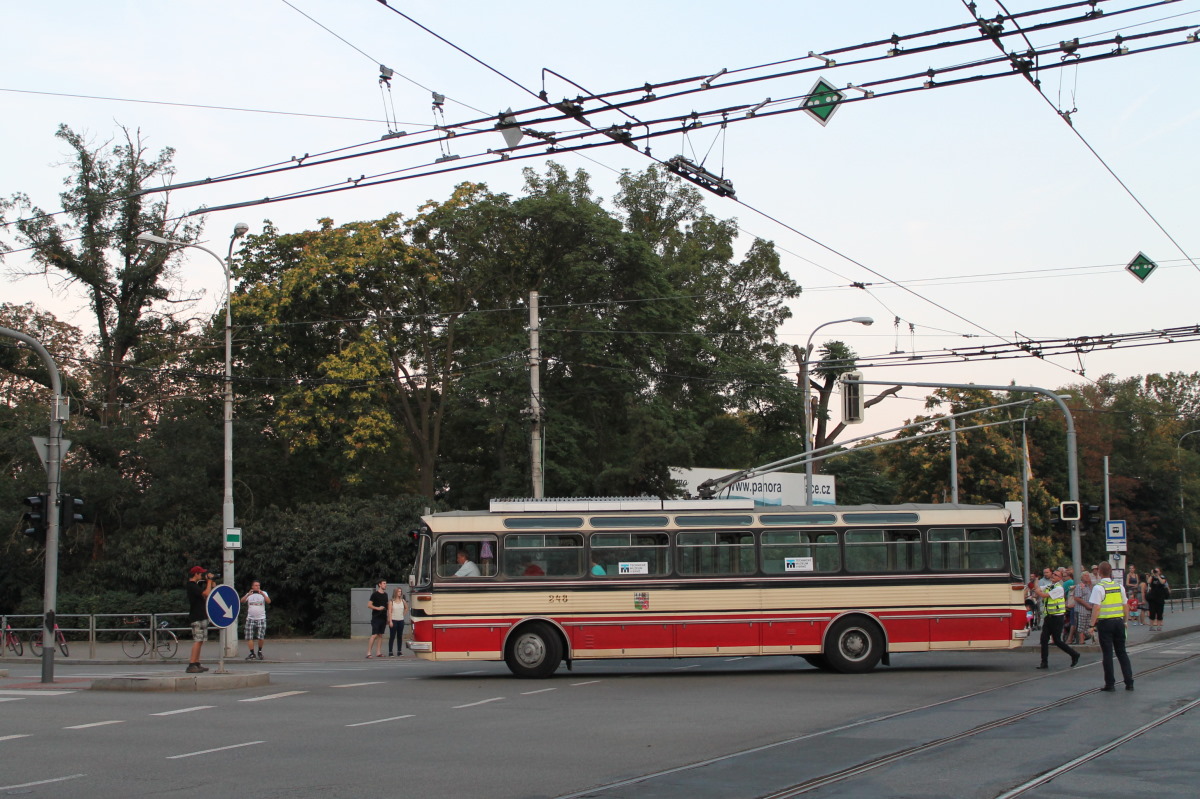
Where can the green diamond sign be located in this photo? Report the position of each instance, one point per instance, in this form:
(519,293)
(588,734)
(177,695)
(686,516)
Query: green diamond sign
(822,100)
(1141,267)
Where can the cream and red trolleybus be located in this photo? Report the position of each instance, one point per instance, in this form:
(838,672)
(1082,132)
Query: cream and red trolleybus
(542,581)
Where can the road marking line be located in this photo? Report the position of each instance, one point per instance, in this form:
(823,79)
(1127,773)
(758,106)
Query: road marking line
(540,691)
(10,699)
(95,724)
(272,696)
(380,721)
(465,673)
(357,684)
(41,782)
(13,737)
(730,660)
(183,710)
(681,668)
(34,692)
(210,751)
(480,702)
(589,682)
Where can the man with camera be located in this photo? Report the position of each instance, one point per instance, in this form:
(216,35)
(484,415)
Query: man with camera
(197,613)
(256,601)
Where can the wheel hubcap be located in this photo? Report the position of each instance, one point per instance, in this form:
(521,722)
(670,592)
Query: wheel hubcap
(855,644)
(530,650)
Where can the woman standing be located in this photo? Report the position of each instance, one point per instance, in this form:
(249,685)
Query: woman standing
(397,610)
(1157,591)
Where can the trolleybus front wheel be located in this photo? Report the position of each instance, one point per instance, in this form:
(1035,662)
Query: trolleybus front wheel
(534,652)
(853,645)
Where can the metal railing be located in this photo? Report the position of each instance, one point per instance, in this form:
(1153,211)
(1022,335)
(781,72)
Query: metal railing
(97,627)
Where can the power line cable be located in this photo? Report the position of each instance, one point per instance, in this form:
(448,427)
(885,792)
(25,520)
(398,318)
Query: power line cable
(1025,70)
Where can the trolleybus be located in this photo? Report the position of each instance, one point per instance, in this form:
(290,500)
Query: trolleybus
(539,582)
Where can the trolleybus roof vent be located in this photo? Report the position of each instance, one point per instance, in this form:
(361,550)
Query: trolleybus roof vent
(585,504)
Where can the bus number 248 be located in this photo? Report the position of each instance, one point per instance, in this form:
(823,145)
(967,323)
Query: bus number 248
(558,598)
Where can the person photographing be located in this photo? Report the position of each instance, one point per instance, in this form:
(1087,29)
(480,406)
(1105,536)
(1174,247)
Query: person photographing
(256,601)
(200,585)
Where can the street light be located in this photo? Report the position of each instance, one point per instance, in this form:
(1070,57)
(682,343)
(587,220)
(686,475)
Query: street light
(239,230)
(808,426)
(1182,521)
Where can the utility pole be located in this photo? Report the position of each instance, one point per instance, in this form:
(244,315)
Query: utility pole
(953,459)
(535,399)
(58,415)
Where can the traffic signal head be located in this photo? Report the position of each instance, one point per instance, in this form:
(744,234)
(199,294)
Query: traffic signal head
(1070,511)
(853,401)
(70,511)
(35,518)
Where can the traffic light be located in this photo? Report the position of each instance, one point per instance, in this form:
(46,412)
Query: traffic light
(1055,516)
(36,518)
(1090,515)
(70,511)
(853,402)
(1070,511)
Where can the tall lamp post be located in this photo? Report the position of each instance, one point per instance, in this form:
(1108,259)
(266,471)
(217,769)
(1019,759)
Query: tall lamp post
(227,521)
(808,425)
(1182,521)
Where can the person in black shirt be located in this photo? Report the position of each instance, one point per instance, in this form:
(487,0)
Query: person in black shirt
(378,603)
(197,615)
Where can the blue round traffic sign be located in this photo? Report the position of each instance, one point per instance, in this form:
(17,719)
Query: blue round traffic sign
(223,606)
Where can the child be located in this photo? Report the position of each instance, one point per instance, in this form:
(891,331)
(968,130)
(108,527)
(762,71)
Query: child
(1134,614)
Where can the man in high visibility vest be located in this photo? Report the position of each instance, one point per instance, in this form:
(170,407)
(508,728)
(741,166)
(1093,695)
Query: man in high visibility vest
(1110,612)
(1056,611)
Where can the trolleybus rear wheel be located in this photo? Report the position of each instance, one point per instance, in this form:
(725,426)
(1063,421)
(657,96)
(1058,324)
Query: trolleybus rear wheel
(534,652)
(853,645)
(819,661)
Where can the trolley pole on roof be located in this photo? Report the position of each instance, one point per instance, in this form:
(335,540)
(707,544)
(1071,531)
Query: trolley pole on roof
(1072,444)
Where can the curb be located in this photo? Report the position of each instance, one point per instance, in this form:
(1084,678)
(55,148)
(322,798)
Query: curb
(183,684)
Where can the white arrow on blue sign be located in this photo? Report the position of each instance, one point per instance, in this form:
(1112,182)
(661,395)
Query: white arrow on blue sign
(223,606)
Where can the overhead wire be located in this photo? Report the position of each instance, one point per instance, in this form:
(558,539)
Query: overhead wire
(1119,41)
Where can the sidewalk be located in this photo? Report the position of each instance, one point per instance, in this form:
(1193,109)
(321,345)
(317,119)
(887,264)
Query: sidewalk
(1180,617)
(275,650)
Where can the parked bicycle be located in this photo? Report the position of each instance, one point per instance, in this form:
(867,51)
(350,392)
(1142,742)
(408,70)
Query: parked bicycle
(12,641)
(135,643)
(35,642)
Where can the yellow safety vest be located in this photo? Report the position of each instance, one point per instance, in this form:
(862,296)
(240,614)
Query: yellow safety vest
(1056,606)
(1113,606)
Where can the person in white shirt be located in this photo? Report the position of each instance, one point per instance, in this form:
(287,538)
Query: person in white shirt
(466,566)
(256,601)
(1110,612)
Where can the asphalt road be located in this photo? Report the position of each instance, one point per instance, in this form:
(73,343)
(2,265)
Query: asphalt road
(931,725)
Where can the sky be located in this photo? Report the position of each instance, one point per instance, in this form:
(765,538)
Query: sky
(979,199)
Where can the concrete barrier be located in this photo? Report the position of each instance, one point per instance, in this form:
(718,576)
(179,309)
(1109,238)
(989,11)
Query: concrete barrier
(183,683)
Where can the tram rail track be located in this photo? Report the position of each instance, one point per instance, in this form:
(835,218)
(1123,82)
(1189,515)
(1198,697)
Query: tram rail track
(892,758)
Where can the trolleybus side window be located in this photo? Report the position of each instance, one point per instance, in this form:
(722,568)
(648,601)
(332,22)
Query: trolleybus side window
(713,552)
(630,554)
(799,551)
(479,556)
(543,555)
(962,549)
(883,551)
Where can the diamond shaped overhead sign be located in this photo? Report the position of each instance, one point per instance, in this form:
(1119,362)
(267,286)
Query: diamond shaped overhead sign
(823,99)
(1141,267)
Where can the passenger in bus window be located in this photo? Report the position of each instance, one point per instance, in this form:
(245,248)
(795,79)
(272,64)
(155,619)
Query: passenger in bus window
(466,566)
(532,569)
(597,569)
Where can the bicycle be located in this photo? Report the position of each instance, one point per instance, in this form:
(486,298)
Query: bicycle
(35,642)
(135,644)
(12,641)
